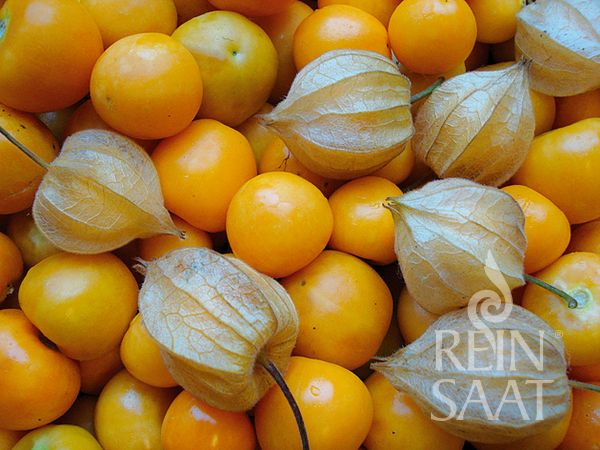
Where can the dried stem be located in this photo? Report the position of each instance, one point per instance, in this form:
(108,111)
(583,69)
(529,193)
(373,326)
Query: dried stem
(572,303)
(425,92)
(581,385)
(39,161)
(274,372)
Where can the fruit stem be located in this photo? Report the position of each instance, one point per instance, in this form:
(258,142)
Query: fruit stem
(425,92)
(581,385)
(276,374)
(572,303)
(39,161)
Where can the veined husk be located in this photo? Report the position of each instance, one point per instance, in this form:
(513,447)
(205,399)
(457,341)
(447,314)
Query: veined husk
(478,125)
(216,320)
(444,233)
(562,39)
(347,114)
(416,368)
(101,192)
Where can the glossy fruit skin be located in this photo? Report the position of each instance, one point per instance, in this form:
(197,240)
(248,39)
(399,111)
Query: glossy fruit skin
(117,19)
(281,29)
(577,107)
(19,175)
(549,439)
(583,428)
(381,9)
(234,55)
(252,8)
(38,384)
(277,157)
(54,73)
(577,274)
(200,170)
(278,222)
(546,227)
(58,437)
(432,36)
(95,373)
(398,422)
(67,295)
(336,407)
(563,165)
(362,225)
(345,309)
(85,117)
(129,414)
(141,356)
(335,27)
(190,421)
(413,319)
(496,19)
(11,265)
(32,244)
(544,109)
(586,238)
(146,86)
(188,9)
(81,413)
(399,168)
(157,246)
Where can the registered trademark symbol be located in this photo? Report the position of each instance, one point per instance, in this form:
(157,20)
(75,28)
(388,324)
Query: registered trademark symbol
(558,333)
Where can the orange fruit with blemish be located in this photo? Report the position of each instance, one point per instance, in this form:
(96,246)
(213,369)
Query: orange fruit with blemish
(11,265)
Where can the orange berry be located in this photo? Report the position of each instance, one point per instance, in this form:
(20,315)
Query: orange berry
(399,168)
(345,309)
(583,432)
(432,36)
(413,319)
(190,421)
(544,109)
(546,227)
(362,225)
(200,170)
(381,9)
(586,238)
(48,49)
(496,19)
(147,86)
(577,107)
(336,407)
(157,246)
(252,8)
(278,223)
(336,27)
(11,265)
(95,373)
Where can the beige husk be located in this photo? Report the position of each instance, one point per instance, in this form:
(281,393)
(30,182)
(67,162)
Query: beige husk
(478,125)
(216,320)
(444,232)
(347,114)
(413,370)
(100,193)
(562,39)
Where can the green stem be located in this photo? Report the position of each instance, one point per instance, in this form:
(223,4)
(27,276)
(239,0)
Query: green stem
(571,301)
(581,385)
(274,372)
(425,92)
(24,149)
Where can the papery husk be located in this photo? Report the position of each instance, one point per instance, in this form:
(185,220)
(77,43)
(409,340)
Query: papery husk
(414,369)
(347,114)
(444,232)
(562,39)
(100,193)
(217,321)
(478,125)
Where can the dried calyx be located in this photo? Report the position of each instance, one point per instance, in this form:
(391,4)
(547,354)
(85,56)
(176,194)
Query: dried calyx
(490,378)
(224,329)
(561,39)
(101,192)
(346,115)
(478,125)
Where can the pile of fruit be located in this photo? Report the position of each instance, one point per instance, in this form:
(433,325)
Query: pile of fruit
(285,224)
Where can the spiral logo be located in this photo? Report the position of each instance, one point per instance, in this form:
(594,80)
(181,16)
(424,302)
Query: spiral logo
(487,305)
